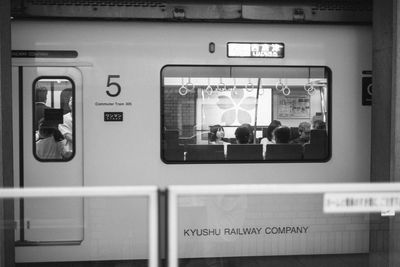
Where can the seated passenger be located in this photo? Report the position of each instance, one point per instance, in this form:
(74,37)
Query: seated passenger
(304,131)
(319,125)
(242,135)
(251,131)
(51,143)
(268,138)
(281,135)
(217,135)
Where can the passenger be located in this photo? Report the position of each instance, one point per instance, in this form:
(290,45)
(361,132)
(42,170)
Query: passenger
(268,139)
(251,131)
(40,105)
(304,132)
(67,130)
(217,134)
(319,125)
(51,142)
(242,135)
(281,135)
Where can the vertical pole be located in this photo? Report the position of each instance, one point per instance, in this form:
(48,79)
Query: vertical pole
(385,130)
(394,224)
(6,141)
(381,101)
(256,112)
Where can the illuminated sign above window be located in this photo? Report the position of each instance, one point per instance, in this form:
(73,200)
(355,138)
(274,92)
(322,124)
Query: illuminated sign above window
(256,50)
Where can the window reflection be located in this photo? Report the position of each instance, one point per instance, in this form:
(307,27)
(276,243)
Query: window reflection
(53,119)
(238,108)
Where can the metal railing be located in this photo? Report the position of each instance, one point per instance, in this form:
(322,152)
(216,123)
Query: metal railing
(151,192)
(377,190)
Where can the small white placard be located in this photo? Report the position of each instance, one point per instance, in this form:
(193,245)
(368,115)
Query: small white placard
(385,203)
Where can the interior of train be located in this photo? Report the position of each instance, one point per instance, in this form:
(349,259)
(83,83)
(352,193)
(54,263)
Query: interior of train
(53,114)
(198,101)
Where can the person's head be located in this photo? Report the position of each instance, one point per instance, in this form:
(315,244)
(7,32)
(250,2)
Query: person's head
(319,125)
(41,94)
(271,127)
(217,132)
(242,134)
(46,128)
(281,135)
(304,129)
(251,131)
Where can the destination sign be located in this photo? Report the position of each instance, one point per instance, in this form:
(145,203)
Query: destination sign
(256,50)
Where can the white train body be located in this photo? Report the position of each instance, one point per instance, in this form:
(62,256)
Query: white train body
(128,152)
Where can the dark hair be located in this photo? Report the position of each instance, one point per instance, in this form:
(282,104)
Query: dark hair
(251,131)
(242,134)
(319,124)
(41,94)
(65,96)
(271,127)
(282,135)
(48,128)
(45,132)
(304,127)
(213,132)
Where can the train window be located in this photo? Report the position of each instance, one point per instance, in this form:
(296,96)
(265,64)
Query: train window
(245,114)
(53,119)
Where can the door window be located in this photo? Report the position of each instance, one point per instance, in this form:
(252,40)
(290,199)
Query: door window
(53,119)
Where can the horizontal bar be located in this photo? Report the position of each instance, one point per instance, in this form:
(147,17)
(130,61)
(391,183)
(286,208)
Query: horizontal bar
(46,243)
(37,62)
(115,191)
(283,188)
(96,191)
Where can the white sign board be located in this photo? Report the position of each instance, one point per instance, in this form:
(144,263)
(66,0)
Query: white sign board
(386,203)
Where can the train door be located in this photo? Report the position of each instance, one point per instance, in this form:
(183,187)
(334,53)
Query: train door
(48,146)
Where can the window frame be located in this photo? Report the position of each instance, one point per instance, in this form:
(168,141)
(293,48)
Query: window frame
(329,78)
(73,87)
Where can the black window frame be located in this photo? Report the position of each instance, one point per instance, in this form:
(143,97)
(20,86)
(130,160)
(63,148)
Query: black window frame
(73,87)
(329,78)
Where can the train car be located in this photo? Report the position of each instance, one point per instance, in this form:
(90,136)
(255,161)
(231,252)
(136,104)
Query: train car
(101,103)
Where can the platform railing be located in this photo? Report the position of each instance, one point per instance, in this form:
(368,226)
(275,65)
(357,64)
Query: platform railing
(338,198)
(374,191)
(150,192)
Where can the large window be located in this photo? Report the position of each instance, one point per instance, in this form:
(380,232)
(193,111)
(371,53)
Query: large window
(245,114)
(53,119)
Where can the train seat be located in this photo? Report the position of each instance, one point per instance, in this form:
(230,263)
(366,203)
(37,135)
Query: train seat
(284,152)
(172,150)
(204,152)
(171,137)
(173,153)
(317,149)
(245,152)
(318,137)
